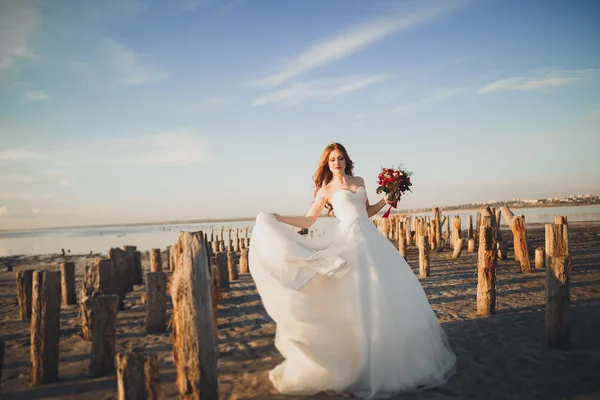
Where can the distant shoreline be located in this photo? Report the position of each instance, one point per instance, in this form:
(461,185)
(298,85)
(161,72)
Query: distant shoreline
(241,219)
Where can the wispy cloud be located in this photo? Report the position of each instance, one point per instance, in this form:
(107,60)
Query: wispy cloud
(174,148)
(34,95)
(129,70)
(297,93)
(353,41)
(17,24)
(4,211)
(541,81)
(20,155)
(433,98)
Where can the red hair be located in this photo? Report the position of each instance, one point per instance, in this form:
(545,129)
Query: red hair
(323,174)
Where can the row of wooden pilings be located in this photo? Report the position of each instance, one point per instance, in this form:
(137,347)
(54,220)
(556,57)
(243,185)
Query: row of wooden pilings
(201,270)
(426,235)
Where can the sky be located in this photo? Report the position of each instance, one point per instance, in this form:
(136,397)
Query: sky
(125,111)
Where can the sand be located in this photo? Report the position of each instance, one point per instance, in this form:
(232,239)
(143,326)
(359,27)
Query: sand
(499,357)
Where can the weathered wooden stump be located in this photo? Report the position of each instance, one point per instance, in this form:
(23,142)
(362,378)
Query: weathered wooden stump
(156,302)
(130,262)
(423,245)
(137,376)
(470,228)
(45,327)
(458,246)
(139,272)
(216,295)
(155,260)
(69,294)
(232,266)
(221,259)
(244,267)
(120,275)
(194,346)
(558,292)
(521,249)
(104,309)
(539,258)
(98,280)
(456,231)
(471,245)
(502,250)
(24,287)
(402,239)
(486,271)
(562,220)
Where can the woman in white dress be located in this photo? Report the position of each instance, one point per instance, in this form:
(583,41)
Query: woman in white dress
(351,315)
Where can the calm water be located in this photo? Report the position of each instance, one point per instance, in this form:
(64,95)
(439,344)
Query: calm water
(100,239)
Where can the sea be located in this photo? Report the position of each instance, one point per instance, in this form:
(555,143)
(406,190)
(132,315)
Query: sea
(99,239)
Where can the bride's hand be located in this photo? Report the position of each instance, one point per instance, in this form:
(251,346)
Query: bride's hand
(387,200)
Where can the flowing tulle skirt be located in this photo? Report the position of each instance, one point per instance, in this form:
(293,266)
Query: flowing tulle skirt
(351,315)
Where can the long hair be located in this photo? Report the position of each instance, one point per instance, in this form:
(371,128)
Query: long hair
(323,174)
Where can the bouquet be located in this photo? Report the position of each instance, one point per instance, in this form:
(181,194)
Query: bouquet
(394,182)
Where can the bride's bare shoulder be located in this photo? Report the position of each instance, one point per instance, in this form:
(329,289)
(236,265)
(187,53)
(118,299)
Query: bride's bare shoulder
(358,180)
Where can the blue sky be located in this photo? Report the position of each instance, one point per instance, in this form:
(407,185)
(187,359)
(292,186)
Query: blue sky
(130,110)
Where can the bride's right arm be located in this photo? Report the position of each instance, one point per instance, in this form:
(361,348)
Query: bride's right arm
(311,216)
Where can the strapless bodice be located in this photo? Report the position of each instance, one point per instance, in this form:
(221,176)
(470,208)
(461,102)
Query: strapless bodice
(348,205)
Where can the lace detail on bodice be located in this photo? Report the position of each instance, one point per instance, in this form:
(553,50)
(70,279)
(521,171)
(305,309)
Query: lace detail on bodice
(349,206)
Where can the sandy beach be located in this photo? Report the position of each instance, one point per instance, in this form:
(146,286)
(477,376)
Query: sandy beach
(499,357)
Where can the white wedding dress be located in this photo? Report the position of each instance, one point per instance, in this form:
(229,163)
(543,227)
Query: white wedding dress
(351,315)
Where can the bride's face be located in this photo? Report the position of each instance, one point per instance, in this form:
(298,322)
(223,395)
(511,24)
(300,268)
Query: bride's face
(337,162)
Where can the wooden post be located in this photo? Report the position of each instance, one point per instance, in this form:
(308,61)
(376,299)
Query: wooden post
(557,286)
(45,326)
(244,267)
(562,220)
(437,227)
(521,244)
(67,272)
(471,246)
(96,282)
(502,250)
(486,272)
(155,260)
(104,333)
(139,272)
(156,302)
(539,258)
(221,259)
(423,245)
(409,239)
(477,226)
(470,228)
(402,239)
(130,262)
(458,248)
(456,230)
(232,266)
(120,274)
(216,296)
(137,376)
(24,284)
(194,347)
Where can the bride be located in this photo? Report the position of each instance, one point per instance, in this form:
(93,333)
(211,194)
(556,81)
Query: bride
(351,315)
